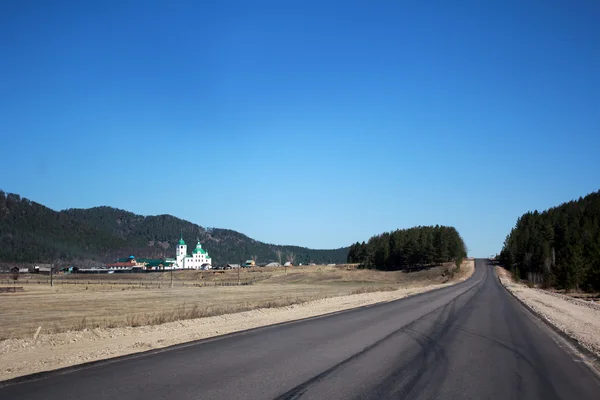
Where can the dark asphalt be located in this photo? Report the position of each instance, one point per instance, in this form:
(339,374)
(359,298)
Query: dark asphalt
(468,341)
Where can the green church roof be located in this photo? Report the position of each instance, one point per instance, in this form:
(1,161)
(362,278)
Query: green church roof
(181,242)
(149,260)
(199,249)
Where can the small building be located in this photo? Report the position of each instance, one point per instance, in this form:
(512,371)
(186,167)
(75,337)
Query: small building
(288,264)
(69,270)
(170,263)
(232,266)
(132,260)
(94,270)
(19,270)
(134,264)
(43,270)
(273,264)
(249,263)
(154,265)
(120,266)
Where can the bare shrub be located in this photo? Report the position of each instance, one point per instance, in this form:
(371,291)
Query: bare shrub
(133,320)
(81,325)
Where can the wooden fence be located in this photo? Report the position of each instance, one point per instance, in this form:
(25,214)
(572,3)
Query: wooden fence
(11,289)
(149,284)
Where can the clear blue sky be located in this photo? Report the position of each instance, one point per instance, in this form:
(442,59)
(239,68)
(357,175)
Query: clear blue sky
(304,122)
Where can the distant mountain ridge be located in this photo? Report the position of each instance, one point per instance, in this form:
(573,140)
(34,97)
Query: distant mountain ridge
(32,232)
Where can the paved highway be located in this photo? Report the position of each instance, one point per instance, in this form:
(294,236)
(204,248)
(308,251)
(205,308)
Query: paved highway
(468,341)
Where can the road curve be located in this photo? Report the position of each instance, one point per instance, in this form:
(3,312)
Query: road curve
(468,341)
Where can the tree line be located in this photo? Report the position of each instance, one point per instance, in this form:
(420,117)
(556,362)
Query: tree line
(404,248)
(559,247)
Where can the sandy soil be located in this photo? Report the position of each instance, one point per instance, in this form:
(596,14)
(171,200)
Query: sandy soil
(580,319)
(51,351)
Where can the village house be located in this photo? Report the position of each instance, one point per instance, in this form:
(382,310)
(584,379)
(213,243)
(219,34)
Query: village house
(199,259)
(19,270)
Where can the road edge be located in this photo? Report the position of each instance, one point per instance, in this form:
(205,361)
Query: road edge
(590,359)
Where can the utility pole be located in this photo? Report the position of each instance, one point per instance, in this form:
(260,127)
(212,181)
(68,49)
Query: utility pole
(51,273)
(171,276)
(239,267)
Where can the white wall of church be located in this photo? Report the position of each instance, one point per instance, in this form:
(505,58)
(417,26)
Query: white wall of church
(195,261)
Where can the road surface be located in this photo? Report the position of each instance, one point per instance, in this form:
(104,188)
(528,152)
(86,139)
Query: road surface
(468,341)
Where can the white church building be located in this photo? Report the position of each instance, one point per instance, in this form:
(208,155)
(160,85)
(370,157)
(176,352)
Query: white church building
(199,258)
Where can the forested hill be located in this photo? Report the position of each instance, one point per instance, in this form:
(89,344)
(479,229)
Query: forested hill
(400,249)
(31,232)
(559,247)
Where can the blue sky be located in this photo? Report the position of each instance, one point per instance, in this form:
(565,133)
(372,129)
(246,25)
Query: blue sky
(313,123)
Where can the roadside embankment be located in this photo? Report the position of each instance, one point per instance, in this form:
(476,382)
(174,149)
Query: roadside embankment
(46,352)
(579,319)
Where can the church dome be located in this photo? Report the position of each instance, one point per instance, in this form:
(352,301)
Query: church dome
(198,249)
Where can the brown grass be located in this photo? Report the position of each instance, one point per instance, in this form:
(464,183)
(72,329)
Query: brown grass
(371,289)
(79,302)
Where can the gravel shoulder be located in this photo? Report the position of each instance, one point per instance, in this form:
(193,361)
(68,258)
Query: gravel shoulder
(580,319)
(47,352)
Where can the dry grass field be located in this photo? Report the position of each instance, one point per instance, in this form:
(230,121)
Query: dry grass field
(78,302)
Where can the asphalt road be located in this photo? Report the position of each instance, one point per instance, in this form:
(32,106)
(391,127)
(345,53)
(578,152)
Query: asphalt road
(468,341)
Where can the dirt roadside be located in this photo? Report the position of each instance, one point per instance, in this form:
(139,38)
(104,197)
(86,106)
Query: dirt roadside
(20,357)
(579,319)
